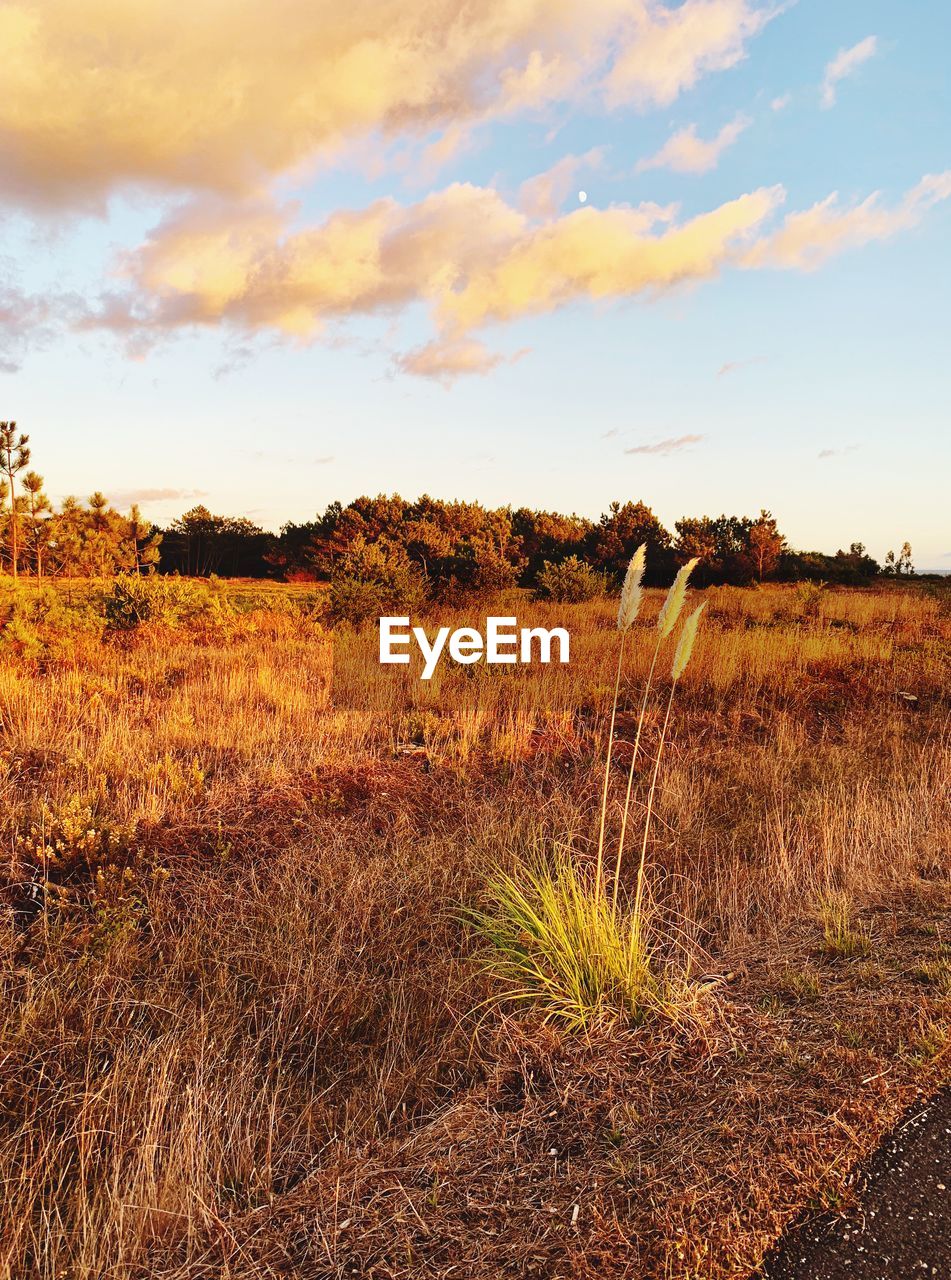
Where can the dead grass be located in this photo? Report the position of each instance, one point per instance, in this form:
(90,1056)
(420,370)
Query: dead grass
(250,1052)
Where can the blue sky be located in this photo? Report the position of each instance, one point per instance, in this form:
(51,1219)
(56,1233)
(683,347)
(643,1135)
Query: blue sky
(155,345)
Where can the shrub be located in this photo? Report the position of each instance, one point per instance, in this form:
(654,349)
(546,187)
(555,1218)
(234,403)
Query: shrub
(87,870)
(134,600)
(810,598)
(355,601)
(842,934)
(37,622)
(373,581)
(19,635)
(570,581)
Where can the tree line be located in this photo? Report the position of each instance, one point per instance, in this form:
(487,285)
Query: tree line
(428,546)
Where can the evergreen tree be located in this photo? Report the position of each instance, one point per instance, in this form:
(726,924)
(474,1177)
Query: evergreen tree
(14,457)
(766,544)
(144,541)
(37,510)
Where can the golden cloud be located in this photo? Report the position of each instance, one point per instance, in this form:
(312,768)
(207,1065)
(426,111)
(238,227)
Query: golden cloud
(670,49)
(208,263)
(225,95)
(463,251)
(446,361)
(469,256)
(600,254)
(686,152)
(808,239)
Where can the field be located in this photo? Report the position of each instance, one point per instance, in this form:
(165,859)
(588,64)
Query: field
(248,1027)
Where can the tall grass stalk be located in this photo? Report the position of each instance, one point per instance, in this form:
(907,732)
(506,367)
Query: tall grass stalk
(681,657)
(666,619)
(630,603)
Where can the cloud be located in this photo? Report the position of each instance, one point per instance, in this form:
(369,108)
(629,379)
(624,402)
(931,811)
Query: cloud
(664,447)
(463,251)
(239,92)
(781,103)
(808,239)
(28,321)
(466,255)
(731,366)
(543,195)
(599,255)
(446,361)
(451,143)
(843,64)
(23,320)
(673,47)
(684,152)
(142,497)
(837,453)
(239,357)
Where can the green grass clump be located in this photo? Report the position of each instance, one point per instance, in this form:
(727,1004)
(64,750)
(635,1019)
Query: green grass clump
(936,973)
(842,934)
(555,937)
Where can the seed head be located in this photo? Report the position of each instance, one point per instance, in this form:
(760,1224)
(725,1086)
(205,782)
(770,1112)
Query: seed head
(631,591)
(685,643)
(670,610)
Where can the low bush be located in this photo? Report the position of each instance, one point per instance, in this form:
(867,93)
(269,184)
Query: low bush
(570,581)
(38,621)
(371,583)
(810,598)
(173,601)
(85,871)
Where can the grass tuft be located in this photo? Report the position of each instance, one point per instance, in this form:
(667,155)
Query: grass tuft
(842,934)
(555,938)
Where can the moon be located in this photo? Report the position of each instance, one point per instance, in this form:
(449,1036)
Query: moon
(582,196)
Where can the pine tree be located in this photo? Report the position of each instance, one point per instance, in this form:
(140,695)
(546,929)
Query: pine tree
(144,542)
(766,544)
(4,518)
(37,505)
(14,457)
(101,539)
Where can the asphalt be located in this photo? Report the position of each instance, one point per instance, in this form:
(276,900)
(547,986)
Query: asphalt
(898,1226)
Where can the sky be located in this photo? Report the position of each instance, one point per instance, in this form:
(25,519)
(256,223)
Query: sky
(266,254)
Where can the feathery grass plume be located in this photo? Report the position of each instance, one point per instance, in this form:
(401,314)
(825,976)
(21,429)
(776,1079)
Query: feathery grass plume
(668,615)
(685,644)
(627,612)
(631,591)
(670,609)
(681,657)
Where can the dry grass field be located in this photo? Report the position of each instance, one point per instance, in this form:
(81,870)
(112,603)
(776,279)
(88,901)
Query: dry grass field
(248,1030)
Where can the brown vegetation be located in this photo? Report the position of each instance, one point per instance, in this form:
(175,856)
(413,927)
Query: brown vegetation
(245,1023)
